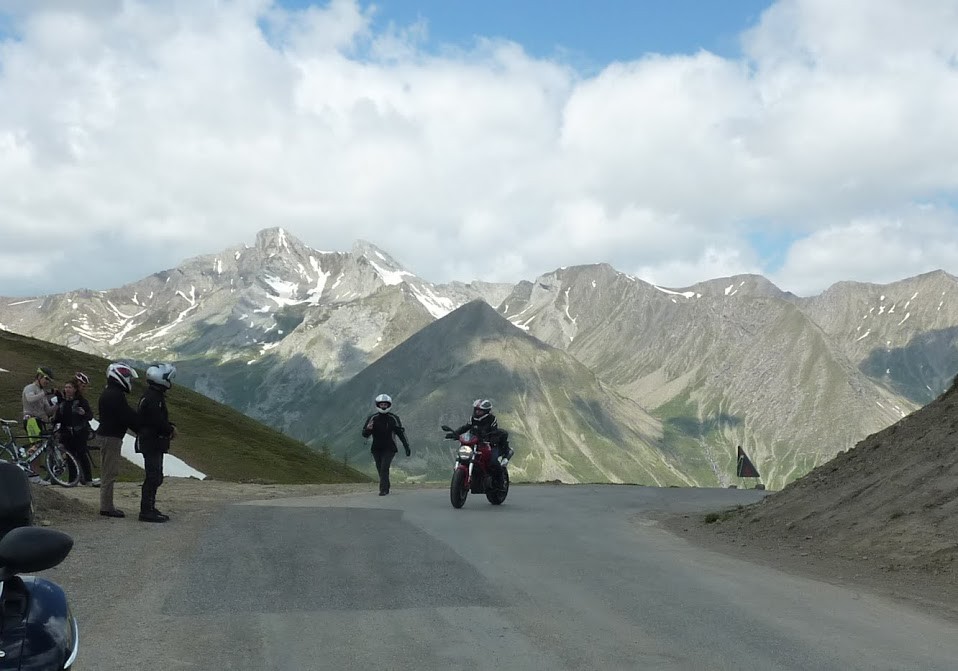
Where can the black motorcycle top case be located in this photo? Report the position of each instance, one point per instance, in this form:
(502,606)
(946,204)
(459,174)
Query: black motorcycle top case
(16,501)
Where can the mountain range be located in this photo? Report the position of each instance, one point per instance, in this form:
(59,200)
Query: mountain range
(599,375)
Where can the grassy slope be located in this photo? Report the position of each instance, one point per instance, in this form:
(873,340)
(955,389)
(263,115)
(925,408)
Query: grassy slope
(223,443)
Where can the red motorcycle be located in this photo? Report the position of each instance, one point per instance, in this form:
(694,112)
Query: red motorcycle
(472,470)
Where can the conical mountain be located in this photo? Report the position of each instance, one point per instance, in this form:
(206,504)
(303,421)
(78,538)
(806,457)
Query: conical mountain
(564,423)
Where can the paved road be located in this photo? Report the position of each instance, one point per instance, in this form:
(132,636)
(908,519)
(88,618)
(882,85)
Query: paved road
(558,578)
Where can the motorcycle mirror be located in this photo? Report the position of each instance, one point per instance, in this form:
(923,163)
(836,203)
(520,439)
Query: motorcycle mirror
(32,549)
(446,428)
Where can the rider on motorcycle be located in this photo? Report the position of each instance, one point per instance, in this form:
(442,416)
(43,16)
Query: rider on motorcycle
(485,426)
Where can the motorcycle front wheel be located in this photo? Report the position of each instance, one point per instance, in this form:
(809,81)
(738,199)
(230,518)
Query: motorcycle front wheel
(457,488)
(498,496)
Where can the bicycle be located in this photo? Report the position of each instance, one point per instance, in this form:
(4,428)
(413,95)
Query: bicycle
(8,448)
(57,460)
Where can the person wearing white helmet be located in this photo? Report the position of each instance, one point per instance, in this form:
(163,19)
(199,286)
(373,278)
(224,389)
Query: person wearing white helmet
(153,439)
(382,425)
(116,418)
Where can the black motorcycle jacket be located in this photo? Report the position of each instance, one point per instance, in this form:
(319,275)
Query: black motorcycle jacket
(116,415)
(74,425)
(154,420)
(384,426)
(485,427)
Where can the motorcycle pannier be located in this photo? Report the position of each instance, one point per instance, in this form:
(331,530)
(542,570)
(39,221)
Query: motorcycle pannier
(16,501)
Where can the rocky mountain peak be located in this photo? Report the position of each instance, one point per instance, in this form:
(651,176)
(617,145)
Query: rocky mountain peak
(389,269)
(278,240)
(748,284)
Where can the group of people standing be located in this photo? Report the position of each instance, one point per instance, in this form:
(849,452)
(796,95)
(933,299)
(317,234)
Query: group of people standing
(384,424)
(69,412)
(44,405)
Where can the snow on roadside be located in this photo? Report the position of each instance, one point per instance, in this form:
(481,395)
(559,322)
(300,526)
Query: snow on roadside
(173,467)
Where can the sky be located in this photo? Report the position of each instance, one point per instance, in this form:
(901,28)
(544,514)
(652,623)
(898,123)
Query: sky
(810,141)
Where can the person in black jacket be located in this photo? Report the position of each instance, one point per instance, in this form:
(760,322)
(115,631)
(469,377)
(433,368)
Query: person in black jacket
(153,439)
(485,425)
(73,416)
(116,418)
(382,425)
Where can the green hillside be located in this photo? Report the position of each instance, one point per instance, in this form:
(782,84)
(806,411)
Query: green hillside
(217,440)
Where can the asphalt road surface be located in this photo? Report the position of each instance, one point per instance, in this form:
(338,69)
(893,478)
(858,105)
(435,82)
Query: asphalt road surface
(557,578)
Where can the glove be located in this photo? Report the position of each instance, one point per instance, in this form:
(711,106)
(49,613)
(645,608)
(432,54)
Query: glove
(408,452)
(451,436)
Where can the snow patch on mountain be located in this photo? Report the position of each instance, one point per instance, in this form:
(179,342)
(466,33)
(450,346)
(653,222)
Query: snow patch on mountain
(193,305)
(390,277)
(282,240)
(285,291)
(437,306)
(316,293)
(686,294)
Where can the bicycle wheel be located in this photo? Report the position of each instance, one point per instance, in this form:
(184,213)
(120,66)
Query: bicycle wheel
(58,463)
(8,453)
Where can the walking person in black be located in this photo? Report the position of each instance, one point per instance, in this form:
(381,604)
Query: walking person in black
(382,425)
(73,415)
(116,417)
(153,439)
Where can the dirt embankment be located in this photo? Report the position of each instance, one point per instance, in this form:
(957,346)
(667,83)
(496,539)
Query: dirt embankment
(884,514)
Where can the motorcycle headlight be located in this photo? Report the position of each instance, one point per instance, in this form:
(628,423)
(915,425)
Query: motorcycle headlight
(465,452)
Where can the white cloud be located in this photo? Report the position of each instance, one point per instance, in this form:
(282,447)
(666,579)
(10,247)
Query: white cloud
(134,134)
(872,249)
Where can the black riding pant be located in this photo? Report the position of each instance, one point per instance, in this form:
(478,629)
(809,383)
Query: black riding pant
(153,465)
(81,452)
(384,459)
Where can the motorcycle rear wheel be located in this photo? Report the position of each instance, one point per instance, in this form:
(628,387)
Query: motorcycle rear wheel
(498,496)
(457,489)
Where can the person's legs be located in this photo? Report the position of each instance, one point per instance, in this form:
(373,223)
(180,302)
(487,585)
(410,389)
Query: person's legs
(72,448)
(158,485)
(34,427)
(153,468)
(109,469)
(86,465)
(383,461)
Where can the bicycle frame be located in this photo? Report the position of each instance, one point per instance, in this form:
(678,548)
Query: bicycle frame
(44,444)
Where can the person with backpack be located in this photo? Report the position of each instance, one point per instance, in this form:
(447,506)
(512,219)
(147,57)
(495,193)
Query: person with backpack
(73,415)
(116,418)
(155,433)
(382,425)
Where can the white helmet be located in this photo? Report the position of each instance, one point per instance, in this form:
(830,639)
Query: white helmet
(481,407)
(161,374)
(383,399)
(122,374)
